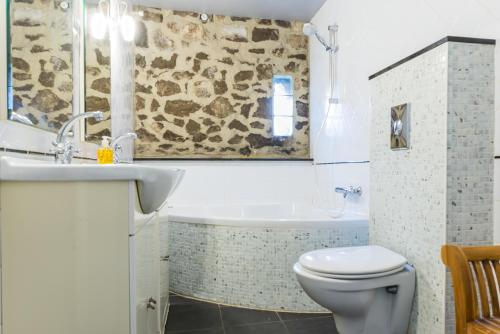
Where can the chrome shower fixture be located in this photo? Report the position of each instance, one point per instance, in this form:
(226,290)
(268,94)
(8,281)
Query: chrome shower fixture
(311,30)
(204,17)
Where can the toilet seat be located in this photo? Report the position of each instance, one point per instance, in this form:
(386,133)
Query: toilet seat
(352,262)
(352,277)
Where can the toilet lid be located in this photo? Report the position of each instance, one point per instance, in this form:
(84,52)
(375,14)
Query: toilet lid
(364,260)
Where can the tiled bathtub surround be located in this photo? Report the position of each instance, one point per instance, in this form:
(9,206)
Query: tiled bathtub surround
(246,266)
(440,191)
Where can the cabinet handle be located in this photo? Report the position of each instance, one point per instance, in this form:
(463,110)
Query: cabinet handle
(165,258)
(151,304)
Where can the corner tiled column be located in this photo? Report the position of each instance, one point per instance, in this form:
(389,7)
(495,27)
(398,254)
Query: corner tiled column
(441,189)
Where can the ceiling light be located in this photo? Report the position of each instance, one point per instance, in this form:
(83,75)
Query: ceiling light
(127,24)
(99,22)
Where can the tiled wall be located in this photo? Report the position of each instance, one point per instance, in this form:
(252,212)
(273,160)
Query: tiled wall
(242,182)
(408,188)
(440,190)
(471,130)
(250,266)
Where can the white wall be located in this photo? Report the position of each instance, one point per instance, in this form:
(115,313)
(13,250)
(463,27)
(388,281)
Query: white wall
(373,35)
(233,182)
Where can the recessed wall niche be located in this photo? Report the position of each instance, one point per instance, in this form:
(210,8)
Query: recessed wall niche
(204,90)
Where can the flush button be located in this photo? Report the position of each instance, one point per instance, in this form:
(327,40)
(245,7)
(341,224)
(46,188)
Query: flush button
(392,289)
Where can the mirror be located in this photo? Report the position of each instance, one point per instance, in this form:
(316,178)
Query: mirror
(40,62)
(97,74)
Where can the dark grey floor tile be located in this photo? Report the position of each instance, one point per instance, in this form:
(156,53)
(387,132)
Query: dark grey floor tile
(294,316)
(232,316)
(201,331)
(266,328)
(186,304)
(193,318)
(321,325)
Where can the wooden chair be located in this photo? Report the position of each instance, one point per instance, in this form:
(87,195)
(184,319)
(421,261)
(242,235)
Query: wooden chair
(475,273)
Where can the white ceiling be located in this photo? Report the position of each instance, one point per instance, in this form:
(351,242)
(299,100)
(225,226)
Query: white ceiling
(302,10)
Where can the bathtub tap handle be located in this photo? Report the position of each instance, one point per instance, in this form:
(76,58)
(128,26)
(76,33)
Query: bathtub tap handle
(350,190)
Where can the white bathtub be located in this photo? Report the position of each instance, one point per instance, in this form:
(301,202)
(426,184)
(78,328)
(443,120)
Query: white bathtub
(243,255)
(264,215)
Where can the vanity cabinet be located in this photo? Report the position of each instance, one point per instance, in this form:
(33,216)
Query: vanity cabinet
(145,251)
(78,257)
(164,270)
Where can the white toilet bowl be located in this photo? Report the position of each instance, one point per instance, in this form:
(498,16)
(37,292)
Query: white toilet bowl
(369,289)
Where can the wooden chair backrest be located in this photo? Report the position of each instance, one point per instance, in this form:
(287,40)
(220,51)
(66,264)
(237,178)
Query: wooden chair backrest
(475,273)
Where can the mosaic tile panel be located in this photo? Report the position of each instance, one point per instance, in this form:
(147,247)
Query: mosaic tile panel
(249,267)
(471,96)
(408,188)
(440,190)
(41,61)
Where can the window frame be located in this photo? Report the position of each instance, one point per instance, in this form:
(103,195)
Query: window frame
(290,117)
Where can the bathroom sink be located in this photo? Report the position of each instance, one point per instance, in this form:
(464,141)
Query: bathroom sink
(154,184)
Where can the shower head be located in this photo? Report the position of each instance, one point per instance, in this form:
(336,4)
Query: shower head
(310,29)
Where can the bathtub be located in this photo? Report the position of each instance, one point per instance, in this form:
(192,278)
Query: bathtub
(243,255)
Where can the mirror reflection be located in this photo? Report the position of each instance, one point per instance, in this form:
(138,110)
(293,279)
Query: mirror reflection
(97,70)
(40,67)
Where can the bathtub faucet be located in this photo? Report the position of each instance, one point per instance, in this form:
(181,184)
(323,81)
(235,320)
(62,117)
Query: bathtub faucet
(350,190)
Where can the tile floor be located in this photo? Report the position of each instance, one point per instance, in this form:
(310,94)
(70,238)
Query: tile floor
(188,316)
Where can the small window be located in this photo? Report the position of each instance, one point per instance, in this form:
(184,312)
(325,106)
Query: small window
(10,90)
(283,106)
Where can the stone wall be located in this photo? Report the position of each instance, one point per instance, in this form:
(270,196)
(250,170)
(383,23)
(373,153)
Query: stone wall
(41,61)
(203,90)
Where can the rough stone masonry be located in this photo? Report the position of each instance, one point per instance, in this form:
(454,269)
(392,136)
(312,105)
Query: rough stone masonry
(205,90)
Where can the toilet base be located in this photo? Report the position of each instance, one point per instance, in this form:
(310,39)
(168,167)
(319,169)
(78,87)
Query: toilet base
(367,306)
(374,321)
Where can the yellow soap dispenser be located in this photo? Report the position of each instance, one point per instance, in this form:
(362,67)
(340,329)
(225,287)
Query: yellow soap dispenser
(105,153)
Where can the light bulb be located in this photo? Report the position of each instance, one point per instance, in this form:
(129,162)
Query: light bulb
(98,25)
(127,27)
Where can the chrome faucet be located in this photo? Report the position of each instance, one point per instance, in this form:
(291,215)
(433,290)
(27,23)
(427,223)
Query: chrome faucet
(350,190)
(64,149)
(14,116)
(117,148)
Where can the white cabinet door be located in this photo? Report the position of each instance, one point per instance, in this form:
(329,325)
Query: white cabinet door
(164,278)
(65,257)
(147,278)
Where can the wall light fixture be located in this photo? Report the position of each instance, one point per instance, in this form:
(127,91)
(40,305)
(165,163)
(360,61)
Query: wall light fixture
(99,21)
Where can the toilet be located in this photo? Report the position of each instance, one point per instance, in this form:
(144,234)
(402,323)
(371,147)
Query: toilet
(369,289)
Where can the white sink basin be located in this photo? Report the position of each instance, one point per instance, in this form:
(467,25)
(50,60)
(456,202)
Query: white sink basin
(154,184)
